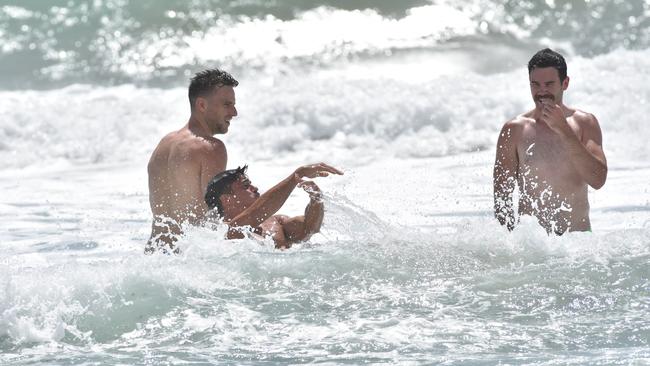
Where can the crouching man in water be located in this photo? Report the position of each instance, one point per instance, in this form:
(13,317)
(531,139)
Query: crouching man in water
(552,153)
(231,195)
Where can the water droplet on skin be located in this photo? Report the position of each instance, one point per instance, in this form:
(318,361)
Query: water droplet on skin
(529,151)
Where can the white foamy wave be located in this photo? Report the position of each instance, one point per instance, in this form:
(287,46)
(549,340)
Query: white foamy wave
(345,114)
(325,34)
(114,41)
(320,35)
(122,297)
(82,124)
(342,114)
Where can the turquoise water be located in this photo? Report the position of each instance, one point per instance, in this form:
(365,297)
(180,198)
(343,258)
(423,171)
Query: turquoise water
(149,42)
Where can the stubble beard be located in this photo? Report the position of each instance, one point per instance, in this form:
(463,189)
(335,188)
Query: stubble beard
(220,128)
(540,98)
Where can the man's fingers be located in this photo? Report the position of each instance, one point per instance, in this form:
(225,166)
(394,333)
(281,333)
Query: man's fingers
(331,169)
(318,170)
(312,189)
(327,168)
(308,184)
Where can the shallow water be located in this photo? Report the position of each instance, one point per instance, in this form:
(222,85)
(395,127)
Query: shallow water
(448,287)
(410,267)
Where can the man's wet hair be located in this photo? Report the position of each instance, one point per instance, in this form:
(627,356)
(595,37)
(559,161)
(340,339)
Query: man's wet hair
(220,184)
(205,82)
(548,58)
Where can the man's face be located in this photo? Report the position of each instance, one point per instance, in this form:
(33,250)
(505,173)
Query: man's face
(220,109)
(545,84)
(243,193)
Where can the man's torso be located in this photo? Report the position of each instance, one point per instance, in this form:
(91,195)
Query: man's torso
(550,187)
(176,175)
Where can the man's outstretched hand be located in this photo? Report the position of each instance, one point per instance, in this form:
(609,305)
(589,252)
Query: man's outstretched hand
(316,170)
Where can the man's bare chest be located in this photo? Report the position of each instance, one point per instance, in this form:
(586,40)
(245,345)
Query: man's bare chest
(544,155)
(542,150)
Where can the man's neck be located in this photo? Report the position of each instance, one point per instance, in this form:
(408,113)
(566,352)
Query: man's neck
(199,127)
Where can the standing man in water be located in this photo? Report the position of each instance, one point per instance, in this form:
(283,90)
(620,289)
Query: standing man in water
(552,153)
(185,160)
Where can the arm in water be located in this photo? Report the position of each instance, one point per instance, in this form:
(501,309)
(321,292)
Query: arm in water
(506,170)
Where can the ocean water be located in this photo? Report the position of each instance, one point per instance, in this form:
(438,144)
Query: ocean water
(406,97)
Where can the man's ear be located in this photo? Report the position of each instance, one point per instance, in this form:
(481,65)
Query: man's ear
(225,199)
(201,104)
(565,83)
(226,203)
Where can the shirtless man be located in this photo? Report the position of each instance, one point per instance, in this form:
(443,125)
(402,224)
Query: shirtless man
(185,160)
(551,152)
(231,196)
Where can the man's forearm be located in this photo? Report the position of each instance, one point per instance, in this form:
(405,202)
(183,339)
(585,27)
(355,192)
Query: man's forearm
(590,168)
(268,204)
(504,210)
(504,187)
(314,214)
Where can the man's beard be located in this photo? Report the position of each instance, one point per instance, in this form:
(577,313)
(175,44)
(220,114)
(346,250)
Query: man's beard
(539,98)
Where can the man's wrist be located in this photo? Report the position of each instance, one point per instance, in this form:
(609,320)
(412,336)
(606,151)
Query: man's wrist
(316,197)
(296,178)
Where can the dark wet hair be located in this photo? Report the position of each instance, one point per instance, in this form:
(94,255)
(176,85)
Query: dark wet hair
(220,184)
(548,58)
(204,82)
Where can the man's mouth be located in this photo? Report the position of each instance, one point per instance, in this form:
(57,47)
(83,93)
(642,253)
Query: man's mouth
(540,98)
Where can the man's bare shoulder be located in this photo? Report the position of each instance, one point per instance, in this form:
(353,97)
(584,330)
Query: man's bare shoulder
(583,118)
(184,143)
(213,144)
(517,124)
(163,150)
(523,119)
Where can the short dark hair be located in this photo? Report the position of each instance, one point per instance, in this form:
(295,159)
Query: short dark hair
(548,58)
(220,184)
(204,82)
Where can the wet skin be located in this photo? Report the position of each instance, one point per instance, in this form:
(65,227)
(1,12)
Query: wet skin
(552,153)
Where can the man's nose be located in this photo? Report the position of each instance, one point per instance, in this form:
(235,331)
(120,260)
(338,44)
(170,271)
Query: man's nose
(234,110)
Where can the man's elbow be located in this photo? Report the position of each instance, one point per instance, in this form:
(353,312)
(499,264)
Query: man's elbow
(307,232)
(598,184)
(600,179)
